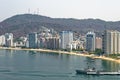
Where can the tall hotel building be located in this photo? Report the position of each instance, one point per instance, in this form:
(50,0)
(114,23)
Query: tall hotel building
(66,39)
(53,43)
(98,43)
(90,41)
(111,42)
(8,39)
(2,40)
(32,40)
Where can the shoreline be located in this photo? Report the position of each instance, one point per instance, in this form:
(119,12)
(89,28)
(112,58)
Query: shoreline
(64,52)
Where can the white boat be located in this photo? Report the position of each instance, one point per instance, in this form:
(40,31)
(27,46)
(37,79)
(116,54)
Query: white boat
(96,72)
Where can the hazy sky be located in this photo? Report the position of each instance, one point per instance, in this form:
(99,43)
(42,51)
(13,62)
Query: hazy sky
(108,10)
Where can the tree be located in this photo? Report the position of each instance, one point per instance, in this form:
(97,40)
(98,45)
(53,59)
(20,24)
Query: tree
(98,51)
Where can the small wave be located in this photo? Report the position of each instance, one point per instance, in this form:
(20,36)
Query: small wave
(5,71)
(42,72)
(40,75)
(30,71)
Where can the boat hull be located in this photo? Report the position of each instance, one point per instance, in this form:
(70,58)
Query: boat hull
(96,72)
(86,72)
(81,72)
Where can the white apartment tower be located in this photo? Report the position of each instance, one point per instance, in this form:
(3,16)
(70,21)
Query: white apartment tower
(111,42)
(2,40)
(66,39)
(8,39)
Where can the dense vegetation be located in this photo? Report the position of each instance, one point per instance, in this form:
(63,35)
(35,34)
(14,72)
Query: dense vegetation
(23,24)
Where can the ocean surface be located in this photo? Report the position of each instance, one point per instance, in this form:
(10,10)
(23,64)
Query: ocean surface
(31,65)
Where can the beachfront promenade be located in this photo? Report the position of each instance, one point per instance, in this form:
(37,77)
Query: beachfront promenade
(63,52)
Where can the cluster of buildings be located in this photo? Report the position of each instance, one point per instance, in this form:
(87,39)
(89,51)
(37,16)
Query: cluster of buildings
(109,43)
(6,40)
(47,39)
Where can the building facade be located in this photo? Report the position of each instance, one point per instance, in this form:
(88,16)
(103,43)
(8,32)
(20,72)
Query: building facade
(66,39)
(9,39)
(98,44)
(2,40)
(111,42)
(32,40)
(90,41)
(53,43)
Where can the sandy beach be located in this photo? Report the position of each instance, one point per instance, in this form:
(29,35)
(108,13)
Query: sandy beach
(64,52)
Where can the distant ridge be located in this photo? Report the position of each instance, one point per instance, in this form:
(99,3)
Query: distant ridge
(23,24)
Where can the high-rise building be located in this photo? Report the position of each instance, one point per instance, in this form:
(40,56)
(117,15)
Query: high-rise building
(53,43)
(2,40)
(90,41)
(8,39)
(66,39)
(32,40)
(98,44)
(111,42)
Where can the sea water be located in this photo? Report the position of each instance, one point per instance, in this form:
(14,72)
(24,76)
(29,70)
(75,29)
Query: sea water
(31,65)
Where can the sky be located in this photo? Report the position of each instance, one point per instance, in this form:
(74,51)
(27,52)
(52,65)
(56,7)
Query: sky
(81,9)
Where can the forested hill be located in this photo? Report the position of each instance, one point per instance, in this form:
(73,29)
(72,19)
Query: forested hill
(23,24)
